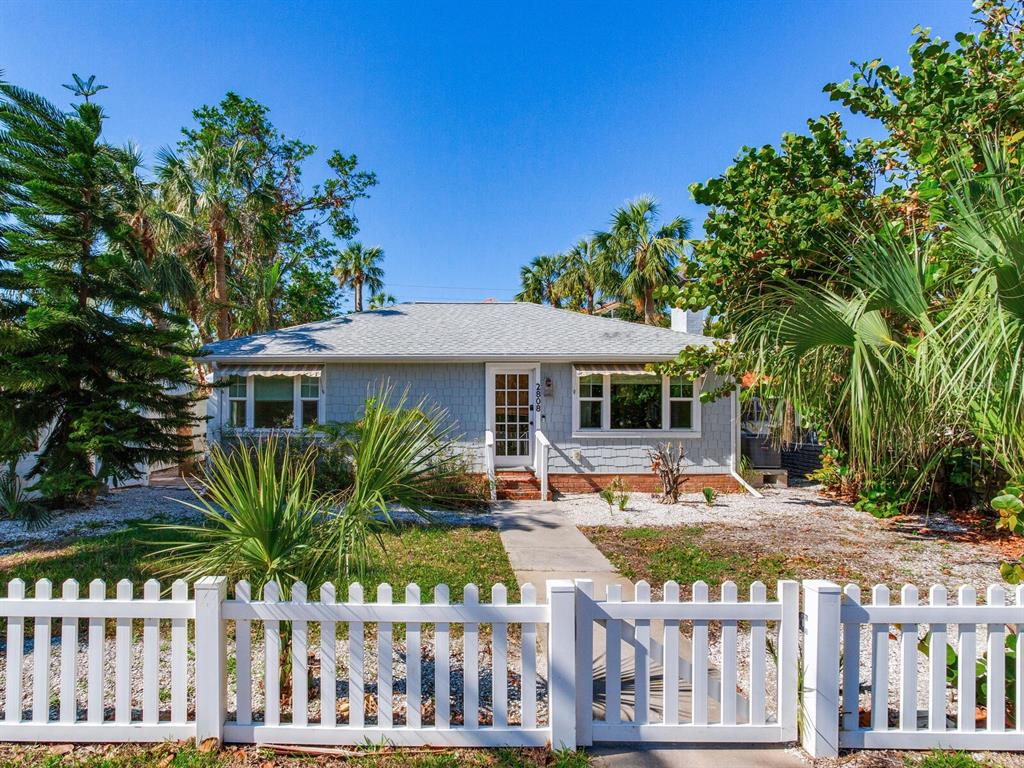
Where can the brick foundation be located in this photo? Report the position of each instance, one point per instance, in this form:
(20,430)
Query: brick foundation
(641,483)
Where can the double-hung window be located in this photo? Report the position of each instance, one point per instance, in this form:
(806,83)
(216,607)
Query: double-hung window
(272,401)
(635,402)
(238,398)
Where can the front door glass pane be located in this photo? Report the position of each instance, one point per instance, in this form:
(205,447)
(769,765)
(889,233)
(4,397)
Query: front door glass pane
(512,414)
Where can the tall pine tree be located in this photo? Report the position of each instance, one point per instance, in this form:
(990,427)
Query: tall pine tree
(92,365)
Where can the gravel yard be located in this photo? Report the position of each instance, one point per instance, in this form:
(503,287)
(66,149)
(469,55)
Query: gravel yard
(822,538)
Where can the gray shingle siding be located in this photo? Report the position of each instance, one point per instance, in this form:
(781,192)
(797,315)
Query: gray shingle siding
(460,388)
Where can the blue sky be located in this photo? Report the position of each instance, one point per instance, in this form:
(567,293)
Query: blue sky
(498,131)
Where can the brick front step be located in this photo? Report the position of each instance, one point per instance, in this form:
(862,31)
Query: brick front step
(518,486)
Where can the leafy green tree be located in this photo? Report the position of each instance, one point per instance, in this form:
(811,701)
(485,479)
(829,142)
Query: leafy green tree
(310,295)
(358,267)
(267,221)
(952,99)
(645,254)
(539,280)
(89,358)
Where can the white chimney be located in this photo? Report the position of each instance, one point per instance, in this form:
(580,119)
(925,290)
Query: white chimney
(685,321)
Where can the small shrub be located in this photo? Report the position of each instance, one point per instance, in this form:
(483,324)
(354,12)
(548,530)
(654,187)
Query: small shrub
(881,500)
(16,505)
(612,495)
(834,475)
(709,495)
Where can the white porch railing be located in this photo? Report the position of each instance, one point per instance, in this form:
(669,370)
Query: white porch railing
(489,464)
(543,456)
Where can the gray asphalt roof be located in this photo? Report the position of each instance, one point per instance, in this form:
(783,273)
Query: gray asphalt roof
(487,330)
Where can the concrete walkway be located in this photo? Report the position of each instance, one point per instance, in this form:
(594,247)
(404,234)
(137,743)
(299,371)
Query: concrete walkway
(543,544)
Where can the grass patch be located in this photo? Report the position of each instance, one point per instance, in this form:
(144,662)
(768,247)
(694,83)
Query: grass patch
(939,759)
(687,554)
(185,755)
(426,555)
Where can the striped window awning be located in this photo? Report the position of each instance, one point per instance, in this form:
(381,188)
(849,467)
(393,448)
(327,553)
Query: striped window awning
(618,369)
(312,371)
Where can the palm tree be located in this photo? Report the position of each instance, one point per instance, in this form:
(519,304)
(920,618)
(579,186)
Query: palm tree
(539,280)
(202,188)
(358,266)
(585,274)
(647,256)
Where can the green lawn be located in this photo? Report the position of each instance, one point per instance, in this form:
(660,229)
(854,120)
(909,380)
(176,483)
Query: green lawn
(426,555)
(186,756)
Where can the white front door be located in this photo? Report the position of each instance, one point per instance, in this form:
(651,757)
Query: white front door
(512,413)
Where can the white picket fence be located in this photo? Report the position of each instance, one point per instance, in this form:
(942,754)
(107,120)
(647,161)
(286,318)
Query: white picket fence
(675,693)
(929,713)
(571,670)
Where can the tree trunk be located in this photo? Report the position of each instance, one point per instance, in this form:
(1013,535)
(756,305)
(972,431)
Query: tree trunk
(220,280)
(590,303)
(358,285)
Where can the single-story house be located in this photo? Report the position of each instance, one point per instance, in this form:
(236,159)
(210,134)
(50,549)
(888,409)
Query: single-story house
(538,397)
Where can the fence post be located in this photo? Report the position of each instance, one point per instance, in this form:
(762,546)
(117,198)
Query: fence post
(820,736)
(584,663)
(211,665)
(562,663)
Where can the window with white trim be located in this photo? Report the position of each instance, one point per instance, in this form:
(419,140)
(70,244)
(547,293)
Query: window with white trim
(238,398)
(618,403)
(680,403)
(272,402)
(309,401)
(591,401)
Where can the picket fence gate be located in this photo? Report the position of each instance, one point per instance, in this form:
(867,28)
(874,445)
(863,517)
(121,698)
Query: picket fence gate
(572,670)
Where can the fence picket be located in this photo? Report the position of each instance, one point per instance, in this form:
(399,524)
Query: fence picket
(499,661)
(442,662)
(670,667)
(470,661)
(937,665)
(967,653)
(356,689)
(528,679)
(908,664)
(642,659)
(69,658)
(385,671)
(996,699)
(851,664)
(123,660)
(328,661)
(151,657)
(41,658)
(699,659)
(300,661)
(97,591)
(271,660)
(758,657)
(243,659)
(413,694)
(880,665)
(1020,659)
(179,657)
(728,672)
(613,655)
(15,655)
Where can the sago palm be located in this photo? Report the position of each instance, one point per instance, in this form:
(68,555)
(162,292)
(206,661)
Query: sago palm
(646,254)
(360,267)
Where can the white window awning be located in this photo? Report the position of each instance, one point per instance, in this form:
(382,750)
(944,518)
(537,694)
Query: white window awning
(617,369)
(313,371)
